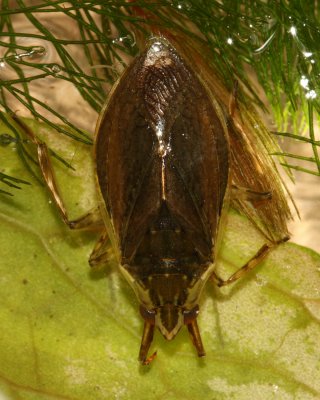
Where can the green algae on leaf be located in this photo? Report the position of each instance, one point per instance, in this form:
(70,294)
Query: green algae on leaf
(71,333)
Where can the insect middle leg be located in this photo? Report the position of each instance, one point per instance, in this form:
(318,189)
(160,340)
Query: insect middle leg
(250,265)
(90,221)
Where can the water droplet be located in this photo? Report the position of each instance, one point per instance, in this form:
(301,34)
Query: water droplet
(307,54)
(32,53)
(54,68)
(37,52)
(304,82)
(128,40)
(156,47)
(293,30)
(311,94)
(185,5)
(230,41)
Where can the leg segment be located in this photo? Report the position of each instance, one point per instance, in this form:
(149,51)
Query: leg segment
(146,341)
(91,220)
(100,253)
(250,265)
(196,338)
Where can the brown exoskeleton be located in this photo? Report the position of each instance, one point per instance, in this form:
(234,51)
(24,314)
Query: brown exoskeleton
(168,162)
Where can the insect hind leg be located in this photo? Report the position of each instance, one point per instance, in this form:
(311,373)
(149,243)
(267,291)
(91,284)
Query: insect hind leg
(250,265)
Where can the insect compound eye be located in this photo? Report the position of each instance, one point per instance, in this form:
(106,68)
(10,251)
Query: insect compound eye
(148,315)
(190,315)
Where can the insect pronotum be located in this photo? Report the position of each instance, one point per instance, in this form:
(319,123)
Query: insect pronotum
(164,172)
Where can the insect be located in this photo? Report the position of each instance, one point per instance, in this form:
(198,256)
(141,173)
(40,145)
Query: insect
(165,156)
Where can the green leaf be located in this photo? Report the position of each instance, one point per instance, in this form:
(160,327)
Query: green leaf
(71,333)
